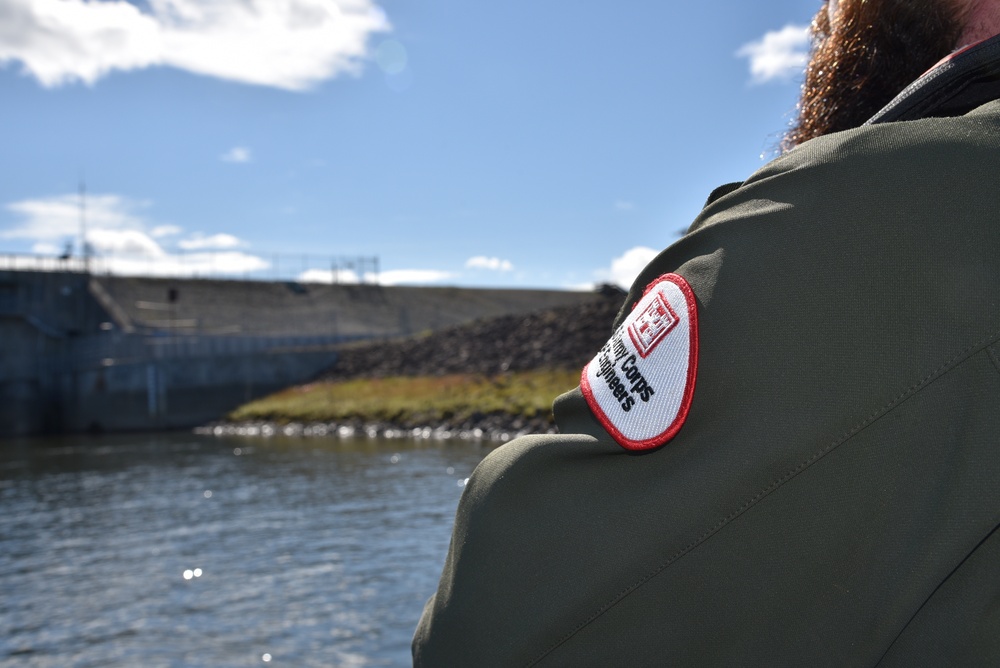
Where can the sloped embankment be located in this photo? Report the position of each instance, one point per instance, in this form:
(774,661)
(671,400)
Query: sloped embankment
(493,377)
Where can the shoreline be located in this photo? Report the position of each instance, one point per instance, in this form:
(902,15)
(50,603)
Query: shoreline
(496,428)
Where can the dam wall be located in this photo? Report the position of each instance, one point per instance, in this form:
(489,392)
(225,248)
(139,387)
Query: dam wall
(282,308)
(178,392)
(103,353)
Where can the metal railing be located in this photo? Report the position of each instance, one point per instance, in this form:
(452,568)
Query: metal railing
(232,265)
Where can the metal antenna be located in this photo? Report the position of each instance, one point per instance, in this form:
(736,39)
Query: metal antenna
(84,246)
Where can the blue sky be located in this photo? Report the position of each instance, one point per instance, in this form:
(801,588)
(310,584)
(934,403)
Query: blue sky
(541,143)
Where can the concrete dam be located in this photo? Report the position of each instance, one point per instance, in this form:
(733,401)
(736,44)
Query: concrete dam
(84,352)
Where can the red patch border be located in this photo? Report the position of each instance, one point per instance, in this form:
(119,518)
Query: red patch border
(692,373)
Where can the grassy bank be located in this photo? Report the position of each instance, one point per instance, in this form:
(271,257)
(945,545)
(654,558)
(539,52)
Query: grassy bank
(422,400)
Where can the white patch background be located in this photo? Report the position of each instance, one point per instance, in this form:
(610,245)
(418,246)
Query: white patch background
(647,424)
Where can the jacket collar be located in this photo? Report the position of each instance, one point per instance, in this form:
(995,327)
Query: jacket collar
(958,84)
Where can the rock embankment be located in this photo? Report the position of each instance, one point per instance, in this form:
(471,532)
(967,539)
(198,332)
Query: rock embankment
(559,338)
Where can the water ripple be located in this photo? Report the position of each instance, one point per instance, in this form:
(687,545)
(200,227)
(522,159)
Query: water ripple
(314,553)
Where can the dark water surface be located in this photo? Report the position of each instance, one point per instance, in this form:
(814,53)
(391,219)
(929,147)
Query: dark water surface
(185,550)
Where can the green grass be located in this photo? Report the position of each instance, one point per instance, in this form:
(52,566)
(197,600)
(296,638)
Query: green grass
(412,401)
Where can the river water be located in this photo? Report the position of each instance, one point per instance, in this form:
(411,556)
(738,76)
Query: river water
(186,550)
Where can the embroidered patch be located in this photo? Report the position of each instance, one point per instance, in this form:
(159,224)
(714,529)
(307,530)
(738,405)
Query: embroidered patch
(641,382)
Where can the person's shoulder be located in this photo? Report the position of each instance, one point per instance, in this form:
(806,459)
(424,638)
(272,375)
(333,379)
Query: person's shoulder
(975,132)
(895,173)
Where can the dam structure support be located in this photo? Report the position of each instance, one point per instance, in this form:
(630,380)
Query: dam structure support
(80,352)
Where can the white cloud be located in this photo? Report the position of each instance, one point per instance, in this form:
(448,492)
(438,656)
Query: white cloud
(46,248)
(413,276)
(490,263)
(122,240)
(186,264)
(623,205)
(289,44)
(236,154)
(627,266)
(392,277)
(161,231)
(55,218)
(199,241)
(779,55)
(329,276)
(579,287)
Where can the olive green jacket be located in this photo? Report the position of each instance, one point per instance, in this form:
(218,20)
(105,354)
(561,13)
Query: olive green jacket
(833,497)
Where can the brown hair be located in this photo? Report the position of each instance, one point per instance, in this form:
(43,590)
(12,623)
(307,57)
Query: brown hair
(874,49)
